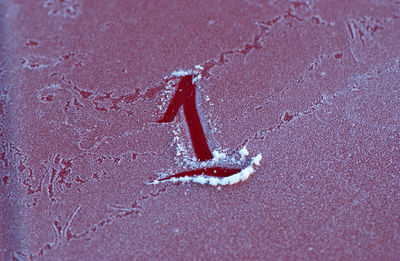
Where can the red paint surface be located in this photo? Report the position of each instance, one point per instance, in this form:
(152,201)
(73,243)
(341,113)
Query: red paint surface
(185,95)
(312,85)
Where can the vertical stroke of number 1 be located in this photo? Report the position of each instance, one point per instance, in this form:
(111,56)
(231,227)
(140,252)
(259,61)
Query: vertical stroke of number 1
(185,95)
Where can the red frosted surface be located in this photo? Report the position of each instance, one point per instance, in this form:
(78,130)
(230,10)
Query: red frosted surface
(311,85)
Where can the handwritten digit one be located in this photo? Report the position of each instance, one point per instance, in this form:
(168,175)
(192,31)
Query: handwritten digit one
(185,95)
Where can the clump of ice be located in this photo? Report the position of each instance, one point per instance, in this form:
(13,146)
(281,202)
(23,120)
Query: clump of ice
(219,158)
(181,73)
(196,73)
(257,160)
(243,153)
(218,155)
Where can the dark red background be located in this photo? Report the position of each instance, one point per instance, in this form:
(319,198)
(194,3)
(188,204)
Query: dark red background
(313,86)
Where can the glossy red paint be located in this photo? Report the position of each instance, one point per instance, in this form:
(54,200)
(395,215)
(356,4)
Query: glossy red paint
(185,95)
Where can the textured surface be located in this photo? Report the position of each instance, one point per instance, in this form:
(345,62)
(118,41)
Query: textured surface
(313,86)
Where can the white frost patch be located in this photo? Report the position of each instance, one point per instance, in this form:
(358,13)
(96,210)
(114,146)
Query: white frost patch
(257,160)
(220,158)
(217,181)
(243,153)
(181,73)
(181,149)
(197,78)
(196,72)
(199,67)
(166,97)
(218,155)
